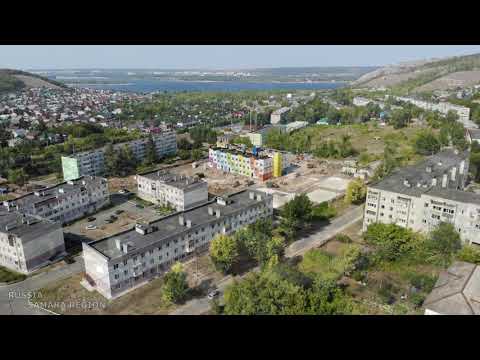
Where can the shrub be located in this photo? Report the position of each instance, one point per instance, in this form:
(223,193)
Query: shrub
(417,299)
(422,282)
(343,238)
(469,253)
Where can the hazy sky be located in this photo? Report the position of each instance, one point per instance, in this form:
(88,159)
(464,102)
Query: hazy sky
(216,56)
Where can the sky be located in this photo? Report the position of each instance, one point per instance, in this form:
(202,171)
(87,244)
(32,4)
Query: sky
(33,57)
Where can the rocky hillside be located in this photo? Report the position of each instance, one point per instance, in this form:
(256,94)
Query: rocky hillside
(14,80)
(428,75)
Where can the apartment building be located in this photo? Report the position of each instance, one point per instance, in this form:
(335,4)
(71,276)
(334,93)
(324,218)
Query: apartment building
(116,264)
(259,166)
(361,101)
(93,162)
(28,243)
(178,191)
(64,202)
(276,116)
(442,107)
(419,197)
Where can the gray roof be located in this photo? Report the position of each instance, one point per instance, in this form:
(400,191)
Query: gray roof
(474,133)
(455,195)
(280,111)
(53,192)
(169,226)
(25,227)
(177,181)
(457,291)
(439,163)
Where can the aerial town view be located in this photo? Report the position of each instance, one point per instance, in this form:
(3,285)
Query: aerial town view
(240,180)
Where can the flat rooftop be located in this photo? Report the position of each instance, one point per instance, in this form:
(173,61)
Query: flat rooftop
(170,226)
(457,291)
(178,181)
(439,164)
(238,152)
(455,195)
(53,192)
(26,227)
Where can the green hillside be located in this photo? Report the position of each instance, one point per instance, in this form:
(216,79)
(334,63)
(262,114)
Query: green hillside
(14,80)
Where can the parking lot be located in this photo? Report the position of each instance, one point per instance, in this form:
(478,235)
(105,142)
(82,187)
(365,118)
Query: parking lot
(127,212)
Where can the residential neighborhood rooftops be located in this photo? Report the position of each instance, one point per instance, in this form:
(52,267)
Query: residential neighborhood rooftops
(456,292)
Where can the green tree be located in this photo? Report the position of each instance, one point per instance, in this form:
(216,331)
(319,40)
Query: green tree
(426,143)
(264,294)
(391,241)
(444,241)
(255,241)
(175,286)
(223,252)
(356,192)
(196,154)
(326,298)
(17,177)
(296,214)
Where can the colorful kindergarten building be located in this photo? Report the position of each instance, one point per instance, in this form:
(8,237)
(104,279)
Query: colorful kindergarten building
(259,166)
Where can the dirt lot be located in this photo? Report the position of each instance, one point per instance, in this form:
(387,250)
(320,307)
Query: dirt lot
(71,298)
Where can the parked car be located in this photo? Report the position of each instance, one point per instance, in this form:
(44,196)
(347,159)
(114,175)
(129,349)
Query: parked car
(91,227)
(213,294)
(90,219)
(118,212)
(123,191)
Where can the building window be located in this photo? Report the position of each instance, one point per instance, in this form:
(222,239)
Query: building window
(115,267)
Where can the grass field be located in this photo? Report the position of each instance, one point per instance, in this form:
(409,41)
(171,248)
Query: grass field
(9,276)
(365,138)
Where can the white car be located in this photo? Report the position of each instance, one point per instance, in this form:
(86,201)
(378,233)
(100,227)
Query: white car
(213,294)
(91,227)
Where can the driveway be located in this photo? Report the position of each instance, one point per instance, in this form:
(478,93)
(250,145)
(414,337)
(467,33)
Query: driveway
(14,297)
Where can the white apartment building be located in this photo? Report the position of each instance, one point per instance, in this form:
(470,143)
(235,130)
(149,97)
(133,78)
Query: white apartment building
(92,163)
(442,107)
(361,101)
(28,243)
(64,202)
(181,192)
(276,116)
(419,197)
(116,264)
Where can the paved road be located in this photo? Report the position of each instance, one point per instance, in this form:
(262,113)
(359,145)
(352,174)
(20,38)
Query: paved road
(299,247)
(14,297)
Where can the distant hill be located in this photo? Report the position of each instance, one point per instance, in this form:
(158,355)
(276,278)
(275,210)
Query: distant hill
(426,75)
(14,80)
